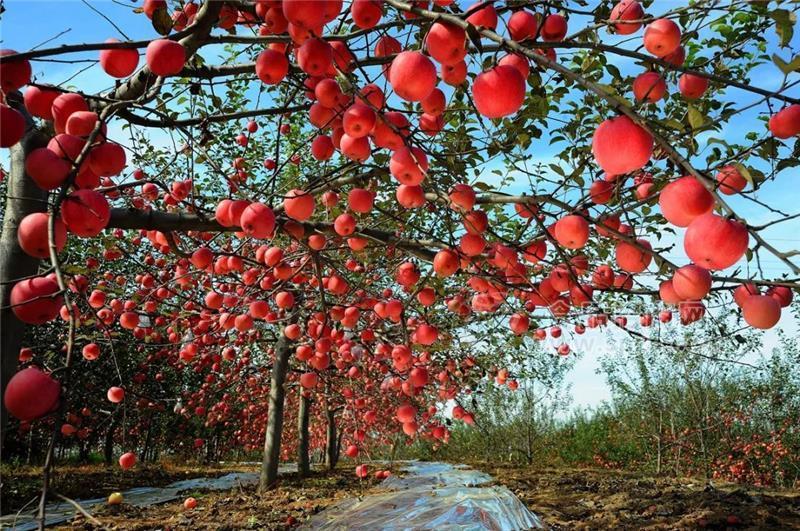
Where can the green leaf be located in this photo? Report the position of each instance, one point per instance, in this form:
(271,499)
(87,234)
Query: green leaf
(673,124)
(784,24)
(556,168)
(577,177)
(614,71)
(696,118)
(714,140)
(786,163)
(787,68)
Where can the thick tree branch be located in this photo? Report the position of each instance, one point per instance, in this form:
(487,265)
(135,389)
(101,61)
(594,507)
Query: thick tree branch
(214,118)
(137,86)
(133,219)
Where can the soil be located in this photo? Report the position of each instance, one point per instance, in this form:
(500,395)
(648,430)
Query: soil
(609,499)
(20,486)
(562,498)
(289,504)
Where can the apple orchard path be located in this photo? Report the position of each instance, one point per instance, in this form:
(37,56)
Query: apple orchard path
(431,495)
(426,496)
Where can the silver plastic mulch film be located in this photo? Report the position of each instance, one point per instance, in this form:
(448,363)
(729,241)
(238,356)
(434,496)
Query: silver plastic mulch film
(61,511)
(432,496)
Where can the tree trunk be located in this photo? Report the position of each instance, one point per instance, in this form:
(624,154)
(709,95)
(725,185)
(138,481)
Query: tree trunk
(155,442)
(29,455)
(338,451)
(23,197)
(143,454)
(658,441)
(210,448)
(272,439)
(331,453)
(303,467)
(529,446)
(395,445)
(676,444)
(83,452)
(108,447)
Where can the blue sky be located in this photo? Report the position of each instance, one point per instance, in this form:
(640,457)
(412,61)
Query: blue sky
(28,23)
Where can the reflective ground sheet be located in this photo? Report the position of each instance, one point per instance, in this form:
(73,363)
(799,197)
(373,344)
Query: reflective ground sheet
(432,496)
(60,512)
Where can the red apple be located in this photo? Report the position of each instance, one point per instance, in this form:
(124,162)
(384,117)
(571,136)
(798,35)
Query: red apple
(626,10)
(761,311)
(649,86)
(499,91)
(31,394)
(714,242)
(684,200)
(127,460)
(691,282)
(621,146)
(662,37)
(412,76)
(165,57)
(119,62)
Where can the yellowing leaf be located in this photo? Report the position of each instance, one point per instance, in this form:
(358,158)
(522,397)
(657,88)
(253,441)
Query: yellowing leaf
(785,67)
(744,171)
(162,22)
(784,24)
(696,118)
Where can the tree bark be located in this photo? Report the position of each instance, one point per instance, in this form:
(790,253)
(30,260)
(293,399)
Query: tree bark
(23,197)
(277,394)
(331,442)
(338,448)
(143,454)
(139,85)
(83,452)
(211,444)
(131,218)
(108,447)
(303,467)
(658,441)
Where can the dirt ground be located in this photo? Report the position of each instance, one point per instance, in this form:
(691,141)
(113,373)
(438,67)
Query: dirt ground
(563,499)
(290,504)
(20,485)
(607,499)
